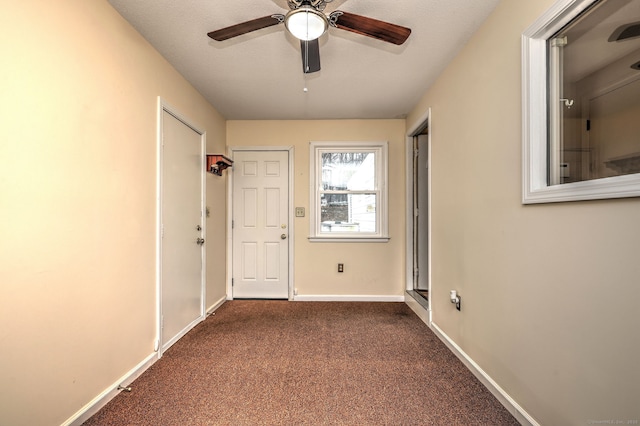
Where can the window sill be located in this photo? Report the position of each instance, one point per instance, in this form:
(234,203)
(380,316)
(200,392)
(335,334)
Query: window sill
(596,189)
(349,239)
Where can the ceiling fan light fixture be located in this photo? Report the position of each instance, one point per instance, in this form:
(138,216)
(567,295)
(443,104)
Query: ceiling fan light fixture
(306,23)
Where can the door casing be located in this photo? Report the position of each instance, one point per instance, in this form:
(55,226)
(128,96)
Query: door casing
(290,215)
(414,130)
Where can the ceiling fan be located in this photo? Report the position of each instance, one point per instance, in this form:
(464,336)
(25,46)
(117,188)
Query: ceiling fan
(307,22)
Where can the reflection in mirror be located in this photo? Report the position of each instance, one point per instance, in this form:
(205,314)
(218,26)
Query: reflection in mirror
(594,127)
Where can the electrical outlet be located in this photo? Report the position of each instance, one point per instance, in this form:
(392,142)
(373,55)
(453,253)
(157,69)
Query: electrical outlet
(340,267)
(299,211)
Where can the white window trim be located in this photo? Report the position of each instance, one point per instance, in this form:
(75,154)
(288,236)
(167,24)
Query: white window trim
(534,119)
(315,235)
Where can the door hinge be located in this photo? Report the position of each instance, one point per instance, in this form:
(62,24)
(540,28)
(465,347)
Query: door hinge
(231,282)
(588,125)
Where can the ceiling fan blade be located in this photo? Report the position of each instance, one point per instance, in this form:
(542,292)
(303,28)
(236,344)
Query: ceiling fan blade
(370,27)
(246,27)
(310,56)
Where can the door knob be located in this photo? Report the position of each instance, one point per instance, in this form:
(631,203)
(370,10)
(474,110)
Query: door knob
(200,241)
(283,236)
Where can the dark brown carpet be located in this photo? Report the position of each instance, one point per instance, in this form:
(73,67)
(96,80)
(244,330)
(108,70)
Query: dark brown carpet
(286,363)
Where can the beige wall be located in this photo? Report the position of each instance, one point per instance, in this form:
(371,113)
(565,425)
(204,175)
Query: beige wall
(549,292)
(78,110)
(371,269)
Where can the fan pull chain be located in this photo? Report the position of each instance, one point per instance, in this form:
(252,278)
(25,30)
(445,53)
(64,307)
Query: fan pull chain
(306,66)
(306,56)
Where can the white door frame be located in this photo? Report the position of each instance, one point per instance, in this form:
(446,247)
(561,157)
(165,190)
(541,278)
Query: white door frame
(163,106)
(290,215)
(414,130)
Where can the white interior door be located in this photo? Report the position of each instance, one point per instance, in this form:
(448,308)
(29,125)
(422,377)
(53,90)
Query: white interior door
(260,224)
(181,250)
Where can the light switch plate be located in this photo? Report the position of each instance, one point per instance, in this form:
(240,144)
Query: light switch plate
(299,211)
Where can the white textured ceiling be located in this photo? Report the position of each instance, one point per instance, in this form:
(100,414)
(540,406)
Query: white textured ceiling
(259,75)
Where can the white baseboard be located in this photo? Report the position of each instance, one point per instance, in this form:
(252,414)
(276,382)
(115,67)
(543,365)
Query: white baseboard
(108,394)
(216,305)
(182,333)
(101,400)
(346,298)
(505,399)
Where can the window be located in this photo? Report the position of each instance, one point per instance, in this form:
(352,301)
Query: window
(348,191)
(581,102)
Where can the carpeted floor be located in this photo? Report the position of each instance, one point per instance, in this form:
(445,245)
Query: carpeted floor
(315,363)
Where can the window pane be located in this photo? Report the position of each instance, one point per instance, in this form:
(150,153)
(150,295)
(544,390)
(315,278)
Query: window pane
(353,171)
(348,212)
(598,100)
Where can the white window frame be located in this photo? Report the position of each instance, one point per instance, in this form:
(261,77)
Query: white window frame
(534,119)
(315,183)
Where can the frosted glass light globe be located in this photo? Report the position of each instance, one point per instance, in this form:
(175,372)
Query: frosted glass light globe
(306,23)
